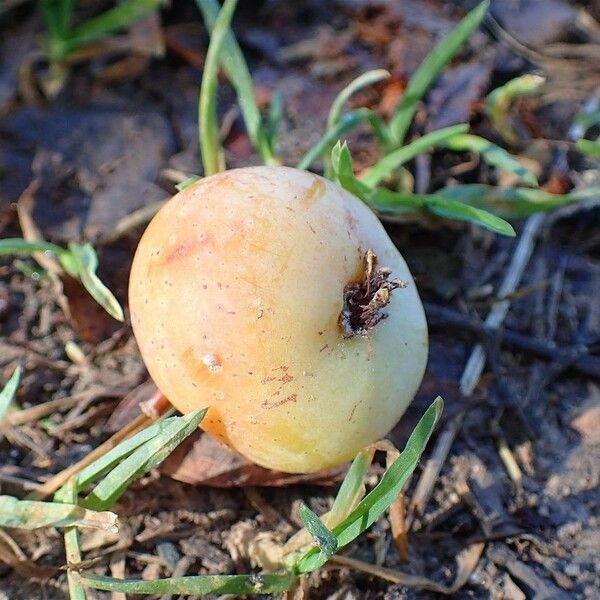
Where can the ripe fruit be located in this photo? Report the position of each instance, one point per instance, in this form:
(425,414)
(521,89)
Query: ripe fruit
(248,294)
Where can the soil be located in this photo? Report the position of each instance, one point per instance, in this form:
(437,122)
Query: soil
(523,472)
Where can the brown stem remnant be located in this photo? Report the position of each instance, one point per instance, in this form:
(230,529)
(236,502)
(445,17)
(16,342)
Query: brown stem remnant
(365,299)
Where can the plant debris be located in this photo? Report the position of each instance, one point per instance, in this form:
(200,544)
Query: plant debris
(364,300)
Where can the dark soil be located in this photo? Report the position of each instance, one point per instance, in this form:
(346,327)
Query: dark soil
(107,145)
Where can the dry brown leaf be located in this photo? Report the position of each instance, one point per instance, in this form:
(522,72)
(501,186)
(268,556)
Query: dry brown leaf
(203,460)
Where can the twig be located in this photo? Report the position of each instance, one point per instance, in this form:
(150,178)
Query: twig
(25,484)
(152,409)
(447,317)
(41,410)
(475,365)
(117,569)
(467,561)
(542,590)
(16,549)
(132,221)
(50,486)
(506,456)
(32,234)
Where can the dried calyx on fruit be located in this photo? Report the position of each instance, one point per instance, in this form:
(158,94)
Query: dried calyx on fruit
(277,299)
(365,299)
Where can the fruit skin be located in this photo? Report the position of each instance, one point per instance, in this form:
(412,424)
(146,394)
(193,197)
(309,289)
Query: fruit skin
(235,295)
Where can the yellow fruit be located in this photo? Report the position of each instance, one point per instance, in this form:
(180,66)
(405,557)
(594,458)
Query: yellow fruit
(245,296)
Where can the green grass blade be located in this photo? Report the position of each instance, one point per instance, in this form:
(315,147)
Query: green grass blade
(240,585)
(429,70)
(589,147)
(587,120)
(451,209)
(66,16)
(342,164)
(493,154)
(9,390)
(21,246)
(117,454)
(498,101)
(86,260)
(325,540)
(390,162)
(515,202)
(57,16)
(187,182)
(51,16)
(362,81)
(80,261)
(210,145)
(31,514)
(236,69)
(350,489)
(388,202)
(110,21)
(143,459)
(332,136)
(382,496)
(274,122)
(72,549)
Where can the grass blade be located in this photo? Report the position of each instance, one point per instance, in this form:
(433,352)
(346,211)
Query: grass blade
(31,514)
(350,490)
(86,259)
(389,202)
(210,145)
(386,201)
(142,459)
(362,81)
(514,203)
(589,147)
(72,549)
(21,246)
(587,120)
(51,17)
(390,162)
(341,160)
(66,16)
(110,21)
(116,455)
(57,19)
(498,102)
(240,585)
(382,496)
(451,209)
(332,136)
(274,122)
(429,70)
(493,154)
(187,182)
(236,69)
(325,540)
(9,390)
(79,261)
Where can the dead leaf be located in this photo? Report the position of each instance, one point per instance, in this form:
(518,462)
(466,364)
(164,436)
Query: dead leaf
(203,460)
(90,321)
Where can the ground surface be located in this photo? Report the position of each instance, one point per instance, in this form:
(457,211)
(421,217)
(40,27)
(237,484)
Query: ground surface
(108,144)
